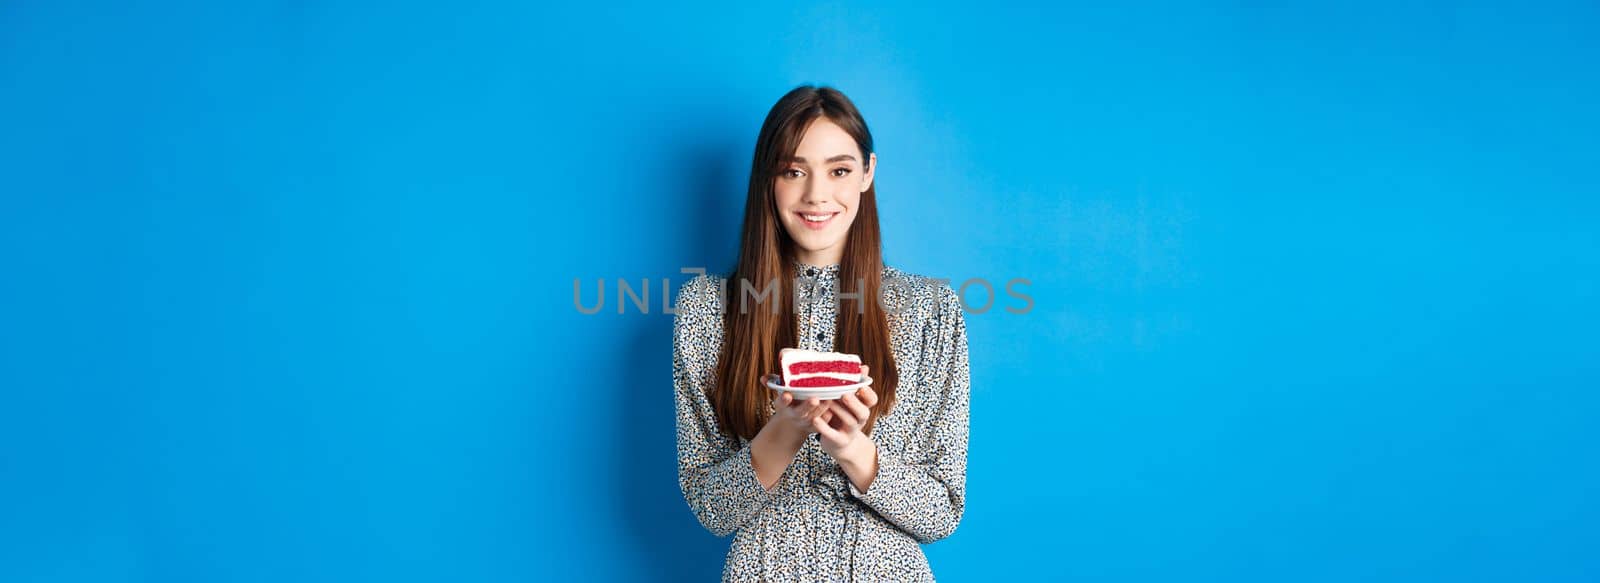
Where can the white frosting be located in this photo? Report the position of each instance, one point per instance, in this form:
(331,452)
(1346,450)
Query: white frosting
(790,356)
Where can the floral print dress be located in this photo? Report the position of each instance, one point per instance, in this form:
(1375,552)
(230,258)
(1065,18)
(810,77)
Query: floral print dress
(814,525)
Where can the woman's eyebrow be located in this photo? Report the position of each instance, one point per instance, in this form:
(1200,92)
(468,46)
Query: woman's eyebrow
(838,158)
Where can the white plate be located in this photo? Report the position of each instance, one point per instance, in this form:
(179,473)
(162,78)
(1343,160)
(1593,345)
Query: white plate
(775,382)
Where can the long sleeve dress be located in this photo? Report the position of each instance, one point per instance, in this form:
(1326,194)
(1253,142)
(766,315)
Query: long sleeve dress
(814,525)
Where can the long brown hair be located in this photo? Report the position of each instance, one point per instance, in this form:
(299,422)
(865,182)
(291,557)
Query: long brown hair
(754,334)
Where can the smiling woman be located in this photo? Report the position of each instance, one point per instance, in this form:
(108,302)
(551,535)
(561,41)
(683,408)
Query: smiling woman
(819,202)
(831,490)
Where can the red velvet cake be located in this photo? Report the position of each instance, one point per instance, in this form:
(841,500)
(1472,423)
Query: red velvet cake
(814,369)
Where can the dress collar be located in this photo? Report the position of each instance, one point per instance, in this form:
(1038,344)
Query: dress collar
(819,271)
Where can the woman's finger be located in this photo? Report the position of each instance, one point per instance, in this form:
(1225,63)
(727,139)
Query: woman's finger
(815,408)
(867,396)
(844,413)
(856,408)
(826,429)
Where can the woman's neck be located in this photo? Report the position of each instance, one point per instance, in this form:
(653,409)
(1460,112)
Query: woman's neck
(822,258)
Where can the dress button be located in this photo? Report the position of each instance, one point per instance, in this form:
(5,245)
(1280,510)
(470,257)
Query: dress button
(819,337)
(811,271)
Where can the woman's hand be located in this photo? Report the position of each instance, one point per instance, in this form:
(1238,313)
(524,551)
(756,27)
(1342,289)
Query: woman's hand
(841,420)
(795,418)
(786,431)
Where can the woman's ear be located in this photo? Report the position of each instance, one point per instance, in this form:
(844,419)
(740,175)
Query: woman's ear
(872,169)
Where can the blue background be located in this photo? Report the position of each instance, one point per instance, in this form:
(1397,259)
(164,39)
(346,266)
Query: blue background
(286,288)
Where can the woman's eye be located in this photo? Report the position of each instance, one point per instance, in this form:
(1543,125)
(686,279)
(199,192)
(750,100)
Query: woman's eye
(838,170)
(792,173)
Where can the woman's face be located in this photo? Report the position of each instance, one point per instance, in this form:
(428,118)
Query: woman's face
(818,189)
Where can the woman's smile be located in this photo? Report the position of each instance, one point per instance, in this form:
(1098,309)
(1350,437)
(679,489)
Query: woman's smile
(817,222)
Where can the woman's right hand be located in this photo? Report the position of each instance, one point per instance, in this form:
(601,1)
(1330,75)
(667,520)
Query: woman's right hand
(775,445)
(794,417)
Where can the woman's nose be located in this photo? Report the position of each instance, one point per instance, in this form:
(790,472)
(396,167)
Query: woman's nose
(815,192)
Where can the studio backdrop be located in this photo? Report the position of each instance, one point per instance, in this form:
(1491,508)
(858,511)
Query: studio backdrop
(287,289)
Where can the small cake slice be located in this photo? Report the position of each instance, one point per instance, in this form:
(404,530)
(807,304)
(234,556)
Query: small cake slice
(813,369)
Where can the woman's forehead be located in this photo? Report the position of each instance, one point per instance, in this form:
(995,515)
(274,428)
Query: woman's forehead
(825,142)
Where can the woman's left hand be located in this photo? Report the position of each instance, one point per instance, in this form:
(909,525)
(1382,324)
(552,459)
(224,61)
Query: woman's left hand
(839,427)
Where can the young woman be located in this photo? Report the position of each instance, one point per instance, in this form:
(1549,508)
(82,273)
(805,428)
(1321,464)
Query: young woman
(820,490)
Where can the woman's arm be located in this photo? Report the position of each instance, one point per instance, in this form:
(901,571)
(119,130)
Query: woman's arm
(925,495)
(772,450)
(719,478)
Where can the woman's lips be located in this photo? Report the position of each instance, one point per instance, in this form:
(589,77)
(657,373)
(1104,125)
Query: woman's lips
(806,219)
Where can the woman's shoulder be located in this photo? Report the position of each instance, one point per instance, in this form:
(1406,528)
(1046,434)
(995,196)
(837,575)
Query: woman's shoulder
(921,294)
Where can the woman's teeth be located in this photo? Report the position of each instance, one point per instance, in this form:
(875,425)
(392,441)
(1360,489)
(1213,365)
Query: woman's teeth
(817,218)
